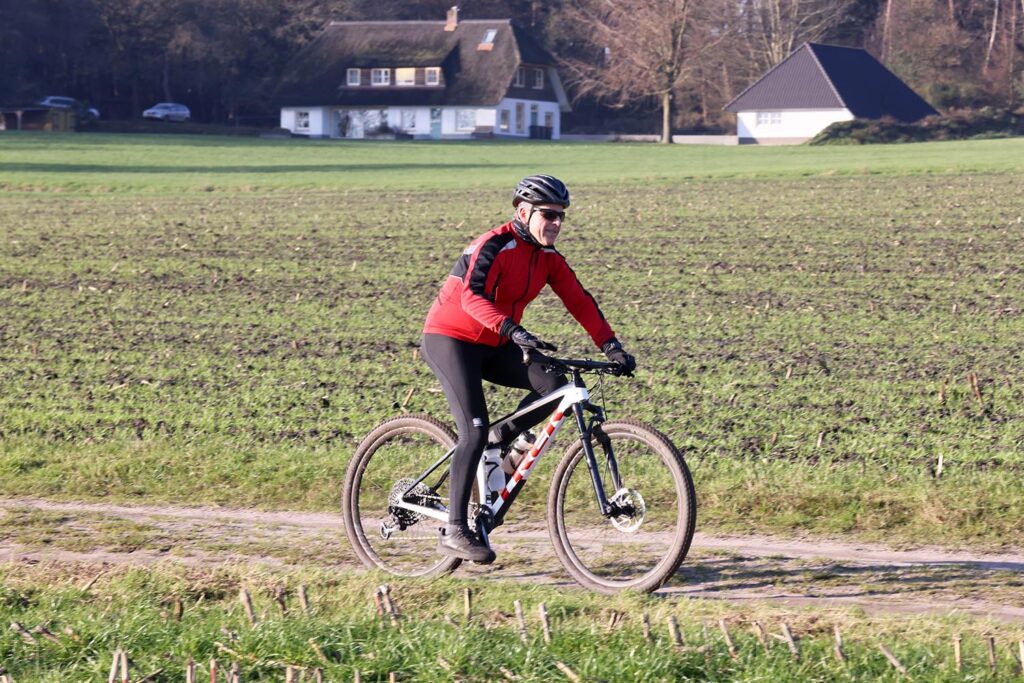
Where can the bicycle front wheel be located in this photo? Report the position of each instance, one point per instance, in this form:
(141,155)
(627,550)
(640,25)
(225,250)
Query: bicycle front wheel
(387,462)
(642,546)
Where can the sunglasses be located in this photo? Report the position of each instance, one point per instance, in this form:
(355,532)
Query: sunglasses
(551,214)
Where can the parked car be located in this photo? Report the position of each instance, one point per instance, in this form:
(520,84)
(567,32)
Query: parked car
(59,102)
(83,112)
(168,111)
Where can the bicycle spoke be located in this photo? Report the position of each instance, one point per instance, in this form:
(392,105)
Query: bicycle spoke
(642,544)
(386,466)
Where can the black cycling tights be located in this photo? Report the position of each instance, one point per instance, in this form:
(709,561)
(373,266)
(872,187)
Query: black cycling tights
(461,367)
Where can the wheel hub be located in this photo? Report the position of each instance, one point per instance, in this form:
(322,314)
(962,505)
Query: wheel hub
(628,510)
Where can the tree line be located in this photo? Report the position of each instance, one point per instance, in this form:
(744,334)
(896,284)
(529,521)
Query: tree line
(682,58)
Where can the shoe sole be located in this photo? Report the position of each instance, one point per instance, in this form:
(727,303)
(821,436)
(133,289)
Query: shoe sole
(453,552)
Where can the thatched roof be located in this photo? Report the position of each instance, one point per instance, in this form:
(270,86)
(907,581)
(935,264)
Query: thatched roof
(471,77)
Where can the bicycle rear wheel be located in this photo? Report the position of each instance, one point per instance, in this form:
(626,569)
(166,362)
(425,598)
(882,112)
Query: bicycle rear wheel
(641,548)
(386,463)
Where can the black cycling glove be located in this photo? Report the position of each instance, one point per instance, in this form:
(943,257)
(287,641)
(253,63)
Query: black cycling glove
(616,354)
(523,339)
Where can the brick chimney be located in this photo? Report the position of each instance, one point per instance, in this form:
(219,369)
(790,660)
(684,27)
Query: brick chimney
(453,19)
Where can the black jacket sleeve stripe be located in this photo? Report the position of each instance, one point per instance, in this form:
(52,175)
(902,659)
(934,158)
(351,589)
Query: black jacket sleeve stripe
(484,260)
(461,266)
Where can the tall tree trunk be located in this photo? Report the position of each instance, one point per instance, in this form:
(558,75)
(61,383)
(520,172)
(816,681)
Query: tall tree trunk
(1011,68)
(886,30)
(992,36)
(666,118)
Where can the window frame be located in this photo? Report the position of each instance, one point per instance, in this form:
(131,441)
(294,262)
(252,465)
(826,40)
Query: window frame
(520,79)
(406,115)
(538,79)
(434,71)
(358,73)
(768,118)
(302,120)
(385,79)
(460,117)
(409,72)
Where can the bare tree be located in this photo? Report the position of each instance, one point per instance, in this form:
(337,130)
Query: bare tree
(777,27)
(640,49)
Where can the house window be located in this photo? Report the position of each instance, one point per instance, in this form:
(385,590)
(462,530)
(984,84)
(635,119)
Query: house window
(489,37)
(408,119)
(381,77)
(353,77)
(503,120)
(549,120)
(769,118)
(405,76)
(538,79)
(465,119)
(520,81)
(520,117)
(433,75)
(302,120)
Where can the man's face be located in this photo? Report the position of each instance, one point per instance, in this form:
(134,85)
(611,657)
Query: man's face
(544,221)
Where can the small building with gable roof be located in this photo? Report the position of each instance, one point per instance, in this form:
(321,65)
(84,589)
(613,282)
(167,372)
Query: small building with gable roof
(422,79)
(816,86)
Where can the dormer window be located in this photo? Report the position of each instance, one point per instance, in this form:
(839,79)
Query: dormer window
(487,43)
(380,76)
(520,81)
(432,75)
(538,79)
(405,76)
(352,77)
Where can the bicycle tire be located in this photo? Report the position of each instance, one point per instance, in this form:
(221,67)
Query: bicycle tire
(650,463)
(409,444)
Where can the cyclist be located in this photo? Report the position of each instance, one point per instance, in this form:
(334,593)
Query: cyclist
(477,313)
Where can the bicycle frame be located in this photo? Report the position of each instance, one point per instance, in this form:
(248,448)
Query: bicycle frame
(573,397)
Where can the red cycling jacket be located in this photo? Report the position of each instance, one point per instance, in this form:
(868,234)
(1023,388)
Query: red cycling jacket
(497,275)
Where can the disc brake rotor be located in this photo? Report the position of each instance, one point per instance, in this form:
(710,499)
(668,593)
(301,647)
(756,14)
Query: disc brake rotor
(631,510)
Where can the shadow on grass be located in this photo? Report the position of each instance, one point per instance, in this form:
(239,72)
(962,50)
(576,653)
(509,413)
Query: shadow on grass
(720,577)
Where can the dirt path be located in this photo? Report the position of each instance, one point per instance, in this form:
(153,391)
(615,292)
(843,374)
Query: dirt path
(749,568)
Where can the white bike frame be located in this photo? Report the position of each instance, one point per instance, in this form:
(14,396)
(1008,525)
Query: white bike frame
(567,397)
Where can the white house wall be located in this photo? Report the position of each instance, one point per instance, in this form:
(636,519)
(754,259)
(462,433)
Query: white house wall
(326,121)
(794,125)
(318,121)
(509,104)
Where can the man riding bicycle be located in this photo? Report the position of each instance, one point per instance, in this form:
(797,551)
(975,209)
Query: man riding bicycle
(477,312)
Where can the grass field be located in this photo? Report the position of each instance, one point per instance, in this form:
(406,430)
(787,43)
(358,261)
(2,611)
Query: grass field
(200,320)
(164,616)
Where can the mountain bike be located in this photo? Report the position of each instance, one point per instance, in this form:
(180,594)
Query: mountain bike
(621,506)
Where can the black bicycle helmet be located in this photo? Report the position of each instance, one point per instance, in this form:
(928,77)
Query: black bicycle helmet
(541,189)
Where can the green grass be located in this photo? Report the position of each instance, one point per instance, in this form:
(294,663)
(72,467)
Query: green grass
(167,164)
(134,609)
(806,319)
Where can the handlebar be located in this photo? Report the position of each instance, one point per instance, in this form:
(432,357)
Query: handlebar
(573,364)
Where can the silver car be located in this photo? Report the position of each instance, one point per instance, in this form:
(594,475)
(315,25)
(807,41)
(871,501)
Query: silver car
(168,111)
